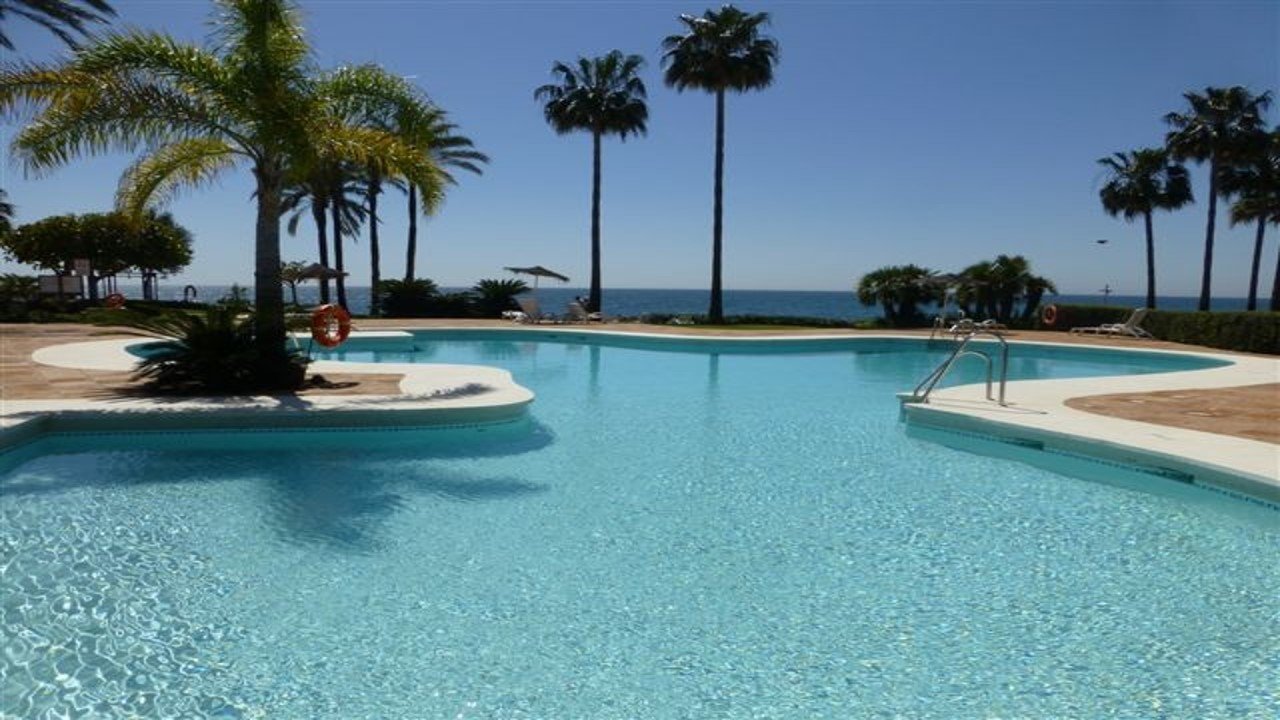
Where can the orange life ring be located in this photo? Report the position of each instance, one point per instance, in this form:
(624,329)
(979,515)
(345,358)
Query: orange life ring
(115,301)
(1049,315)
(330,325)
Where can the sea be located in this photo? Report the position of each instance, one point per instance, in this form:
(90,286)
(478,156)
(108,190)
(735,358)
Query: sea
(636,302)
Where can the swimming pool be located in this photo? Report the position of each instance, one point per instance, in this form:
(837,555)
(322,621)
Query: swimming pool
(674,532)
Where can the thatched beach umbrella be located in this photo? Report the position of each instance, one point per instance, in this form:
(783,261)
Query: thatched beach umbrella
(537,271)
(316,271)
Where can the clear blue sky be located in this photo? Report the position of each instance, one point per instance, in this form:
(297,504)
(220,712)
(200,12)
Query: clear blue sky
(936,133)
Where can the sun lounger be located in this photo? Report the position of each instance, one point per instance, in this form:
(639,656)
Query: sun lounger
(531,312)
(578,313)
(1128,328)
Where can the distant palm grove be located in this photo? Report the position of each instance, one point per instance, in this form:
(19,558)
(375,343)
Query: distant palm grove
(1224,129)
(324,144)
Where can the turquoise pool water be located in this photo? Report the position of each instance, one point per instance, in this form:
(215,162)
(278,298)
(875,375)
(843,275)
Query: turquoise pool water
(668,535)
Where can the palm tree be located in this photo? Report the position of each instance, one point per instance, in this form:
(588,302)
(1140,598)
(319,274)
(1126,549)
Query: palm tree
(315,195)
(391,105)
(602,96)
(898,289)
(199,112)
(6,214)
(720,51)
(1139,183)
(449,150)
(1255,183)
(1211,129)
(64,18)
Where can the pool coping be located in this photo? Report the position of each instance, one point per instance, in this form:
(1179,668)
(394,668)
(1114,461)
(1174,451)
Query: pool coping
(429,396)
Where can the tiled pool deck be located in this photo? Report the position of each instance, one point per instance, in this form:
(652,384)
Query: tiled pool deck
(1227,417)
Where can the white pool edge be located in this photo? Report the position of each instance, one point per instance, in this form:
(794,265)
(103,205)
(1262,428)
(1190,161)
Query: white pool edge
(1036,408)
(430,395)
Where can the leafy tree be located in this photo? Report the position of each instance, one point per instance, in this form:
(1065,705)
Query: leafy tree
(1212,129)
(1139,183)
(450,151)
(111,242)
(720,51)
(602,96)
(899,289)
(1255,183)
(160,247)
(493,297)
(64,18)
(252,98)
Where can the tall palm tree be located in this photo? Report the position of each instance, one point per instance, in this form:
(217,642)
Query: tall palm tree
(603,96)
(1139,183)
(449,150)
(720,51)
(1256,185)
(391,105)
(64,18)
(252,98)
(315,195)
(1211,129)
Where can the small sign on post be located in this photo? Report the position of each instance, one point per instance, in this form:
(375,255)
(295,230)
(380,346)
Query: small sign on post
(81,266)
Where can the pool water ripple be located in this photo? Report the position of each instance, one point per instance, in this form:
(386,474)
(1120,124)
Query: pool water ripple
(671,535)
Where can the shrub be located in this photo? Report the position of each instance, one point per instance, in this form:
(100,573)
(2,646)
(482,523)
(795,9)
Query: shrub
(209,352)
(1257,332)
(493,297)
(1244,331)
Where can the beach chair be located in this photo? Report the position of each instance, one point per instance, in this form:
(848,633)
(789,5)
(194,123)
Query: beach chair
(531,312)
(1128,328)
(578,313)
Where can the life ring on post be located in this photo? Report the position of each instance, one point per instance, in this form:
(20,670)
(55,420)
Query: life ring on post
(330,325)
(1049,316)
(115,301)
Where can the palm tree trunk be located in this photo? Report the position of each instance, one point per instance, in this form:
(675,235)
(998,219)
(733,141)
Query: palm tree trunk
(375,253)
(411,247)
(340,281)
(716,312)
(322,241)
(1275,287)
(1257,265)
(268,290)
(1151,261)
(1208,237)
(593,296)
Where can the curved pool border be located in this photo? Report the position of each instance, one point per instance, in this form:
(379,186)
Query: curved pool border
(1035,417)
(430,396)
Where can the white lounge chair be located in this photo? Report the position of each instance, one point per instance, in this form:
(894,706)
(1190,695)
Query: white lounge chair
(1128,328)
(578,313)
(531,312)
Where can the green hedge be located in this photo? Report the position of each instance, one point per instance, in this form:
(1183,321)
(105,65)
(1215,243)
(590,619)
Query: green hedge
(1257,332)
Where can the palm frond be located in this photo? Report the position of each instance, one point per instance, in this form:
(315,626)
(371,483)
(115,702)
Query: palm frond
(157,177)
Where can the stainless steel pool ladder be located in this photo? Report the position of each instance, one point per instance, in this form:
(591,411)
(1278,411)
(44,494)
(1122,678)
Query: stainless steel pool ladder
(962,349)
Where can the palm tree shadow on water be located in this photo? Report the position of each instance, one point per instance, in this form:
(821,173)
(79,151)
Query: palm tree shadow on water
(342,500)
(331,489)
